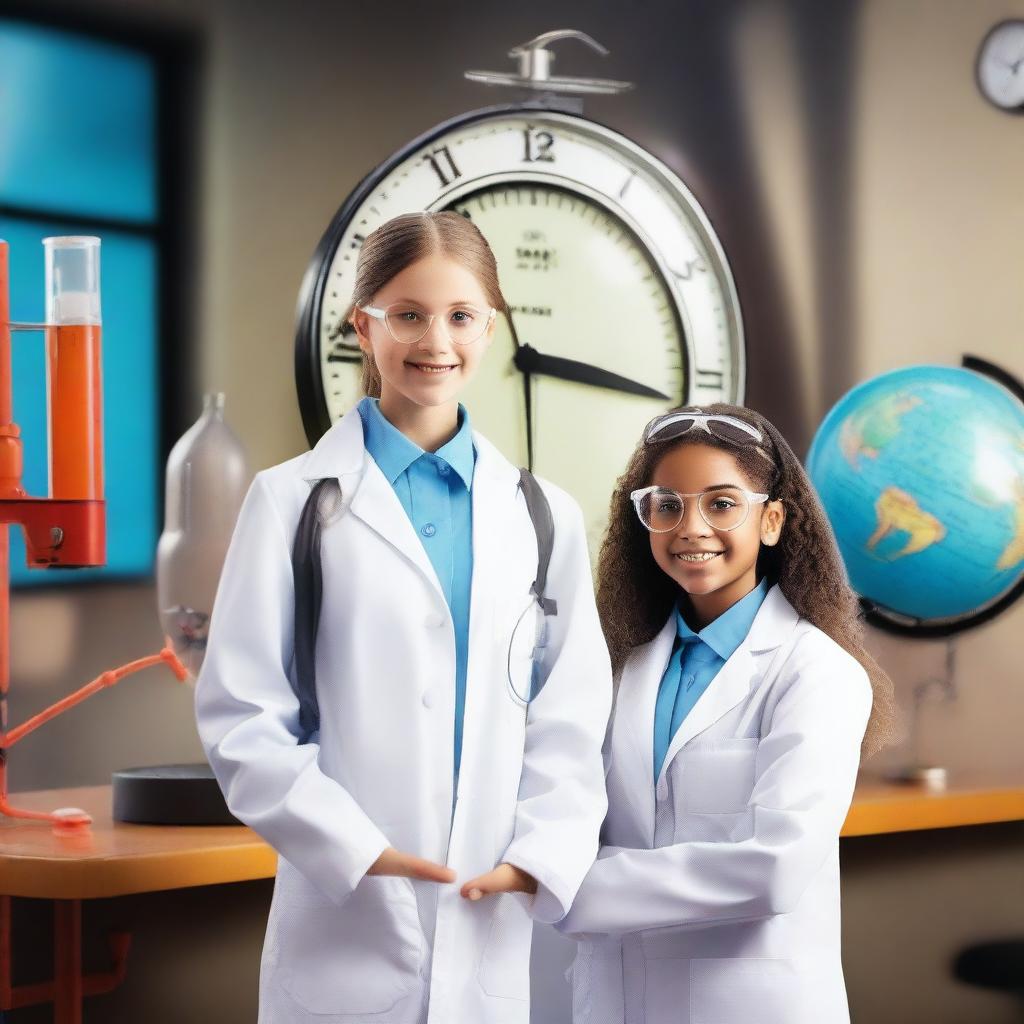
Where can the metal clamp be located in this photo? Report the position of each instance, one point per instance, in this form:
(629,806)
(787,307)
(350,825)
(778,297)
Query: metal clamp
(535,61)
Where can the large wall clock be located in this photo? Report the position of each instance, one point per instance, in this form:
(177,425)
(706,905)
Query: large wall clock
(621,300)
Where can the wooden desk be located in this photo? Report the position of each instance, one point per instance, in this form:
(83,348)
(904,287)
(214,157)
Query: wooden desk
(109,859)
(116,859)
(880,807)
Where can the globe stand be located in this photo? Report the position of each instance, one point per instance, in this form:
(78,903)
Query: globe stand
(930,776)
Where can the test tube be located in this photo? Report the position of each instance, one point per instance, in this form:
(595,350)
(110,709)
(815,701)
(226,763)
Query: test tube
(74,367)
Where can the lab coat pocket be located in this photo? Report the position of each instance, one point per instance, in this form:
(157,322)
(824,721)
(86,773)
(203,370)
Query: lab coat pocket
(718,775)
(597,985)
(505,961)
(358,958)
(712,785)
(744,991)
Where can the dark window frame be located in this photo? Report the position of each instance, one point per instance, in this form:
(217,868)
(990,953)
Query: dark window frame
(177,54)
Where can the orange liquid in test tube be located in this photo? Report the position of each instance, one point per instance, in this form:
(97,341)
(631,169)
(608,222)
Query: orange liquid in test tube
(74,395)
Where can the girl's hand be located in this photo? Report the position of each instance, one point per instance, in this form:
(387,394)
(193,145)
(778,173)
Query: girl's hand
(394,862)
(504,878)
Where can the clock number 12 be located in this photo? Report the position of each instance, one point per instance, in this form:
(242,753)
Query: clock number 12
(538,146)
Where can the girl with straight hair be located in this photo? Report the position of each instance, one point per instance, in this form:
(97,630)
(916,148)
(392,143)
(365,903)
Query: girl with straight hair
(441,785)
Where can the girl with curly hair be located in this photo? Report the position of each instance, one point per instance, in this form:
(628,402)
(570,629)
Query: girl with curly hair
(745,702)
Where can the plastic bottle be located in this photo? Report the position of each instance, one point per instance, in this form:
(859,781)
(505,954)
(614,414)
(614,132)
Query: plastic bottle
(207,478)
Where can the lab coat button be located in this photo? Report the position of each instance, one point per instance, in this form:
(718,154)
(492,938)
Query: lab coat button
(428,530)
(428,698)
(436,620)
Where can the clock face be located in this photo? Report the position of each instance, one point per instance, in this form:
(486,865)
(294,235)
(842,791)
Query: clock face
(621,303)
(1000,66)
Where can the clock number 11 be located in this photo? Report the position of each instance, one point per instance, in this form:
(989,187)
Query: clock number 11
(444,165)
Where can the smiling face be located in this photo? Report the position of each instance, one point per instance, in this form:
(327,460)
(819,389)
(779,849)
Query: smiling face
(717,582)
(432,372)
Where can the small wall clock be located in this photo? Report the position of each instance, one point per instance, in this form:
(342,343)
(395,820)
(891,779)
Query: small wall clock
(1000,66)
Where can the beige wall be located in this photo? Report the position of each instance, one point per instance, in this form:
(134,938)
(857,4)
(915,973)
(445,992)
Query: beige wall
(939,224)
(924,266)
(934,268)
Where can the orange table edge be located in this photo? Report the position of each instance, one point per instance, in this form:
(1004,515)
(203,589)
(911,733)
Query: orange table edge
(117,859)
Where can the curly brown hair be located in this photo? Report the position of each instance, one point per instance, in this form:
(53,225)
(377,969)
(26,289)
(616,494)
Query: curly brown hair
(634,596)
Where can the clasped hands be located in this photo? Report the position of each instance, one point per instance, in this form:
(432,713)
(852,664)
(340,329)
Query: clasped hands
(503,878)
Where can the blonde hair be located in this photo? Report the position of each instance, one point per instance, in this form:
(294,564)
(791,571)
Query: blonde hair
(400,242)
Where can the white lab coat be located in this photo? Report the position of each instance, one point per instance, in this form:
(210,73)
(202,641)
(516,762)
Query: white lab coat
(715,897)
(342,946)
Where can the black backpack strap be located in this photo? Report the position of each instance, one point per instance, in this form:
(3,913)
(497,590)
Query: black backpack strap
(544,527)
(308,579)
(307,576)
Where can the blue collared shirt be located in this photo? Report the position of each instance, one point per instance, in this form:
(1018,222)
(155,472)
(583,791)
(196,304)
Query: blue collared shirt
(434,489)
(696,660)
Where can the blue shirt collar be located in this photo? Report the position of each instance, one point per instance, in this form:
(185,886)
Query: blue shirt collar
(395,453)
(727,632)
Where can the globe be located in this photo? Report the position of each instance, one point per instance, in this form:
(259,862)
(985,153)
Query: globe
(921,472)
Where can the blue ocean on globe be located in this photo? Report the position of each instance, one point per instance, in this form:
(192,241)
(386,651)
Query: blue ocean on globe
(921,472)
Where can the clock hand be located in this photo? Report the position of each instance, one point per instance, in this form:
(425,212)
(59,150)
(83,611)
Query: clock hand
(340,328)
(344,352)
(529,360)
(527,391)
(343,357)
(1013,66)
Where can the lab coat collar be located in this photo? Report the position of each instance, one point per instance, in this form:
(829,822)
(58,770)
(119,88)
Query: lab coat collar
(772,625)
(341,453)
(725,633)
(773,622)
(395,453)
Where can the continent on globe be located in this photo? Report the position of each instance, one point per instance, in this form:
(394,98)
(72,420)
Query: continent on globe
(897,510)
(1014,553)
(868,432)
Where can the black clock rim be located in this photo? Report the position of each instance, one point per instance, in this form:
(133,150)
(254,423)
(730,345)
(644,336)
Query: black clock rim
(316,419)
(900,625)
(1018,110)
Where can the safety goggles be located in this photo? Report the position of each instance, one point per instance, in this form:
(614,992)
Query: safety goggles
(726,428)
(662,509)
(407,323)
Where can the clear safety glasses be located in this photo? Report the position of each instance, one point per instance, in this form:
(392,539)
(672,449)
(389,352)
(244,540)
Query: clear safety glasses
(661,509)
(726,428)
(408,323)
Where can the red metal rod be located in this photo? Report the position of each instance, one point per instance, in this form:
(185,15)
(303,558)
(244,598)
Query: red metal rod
(6,457)
(6,390)
(67,961)
(6,964)
(108,678)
